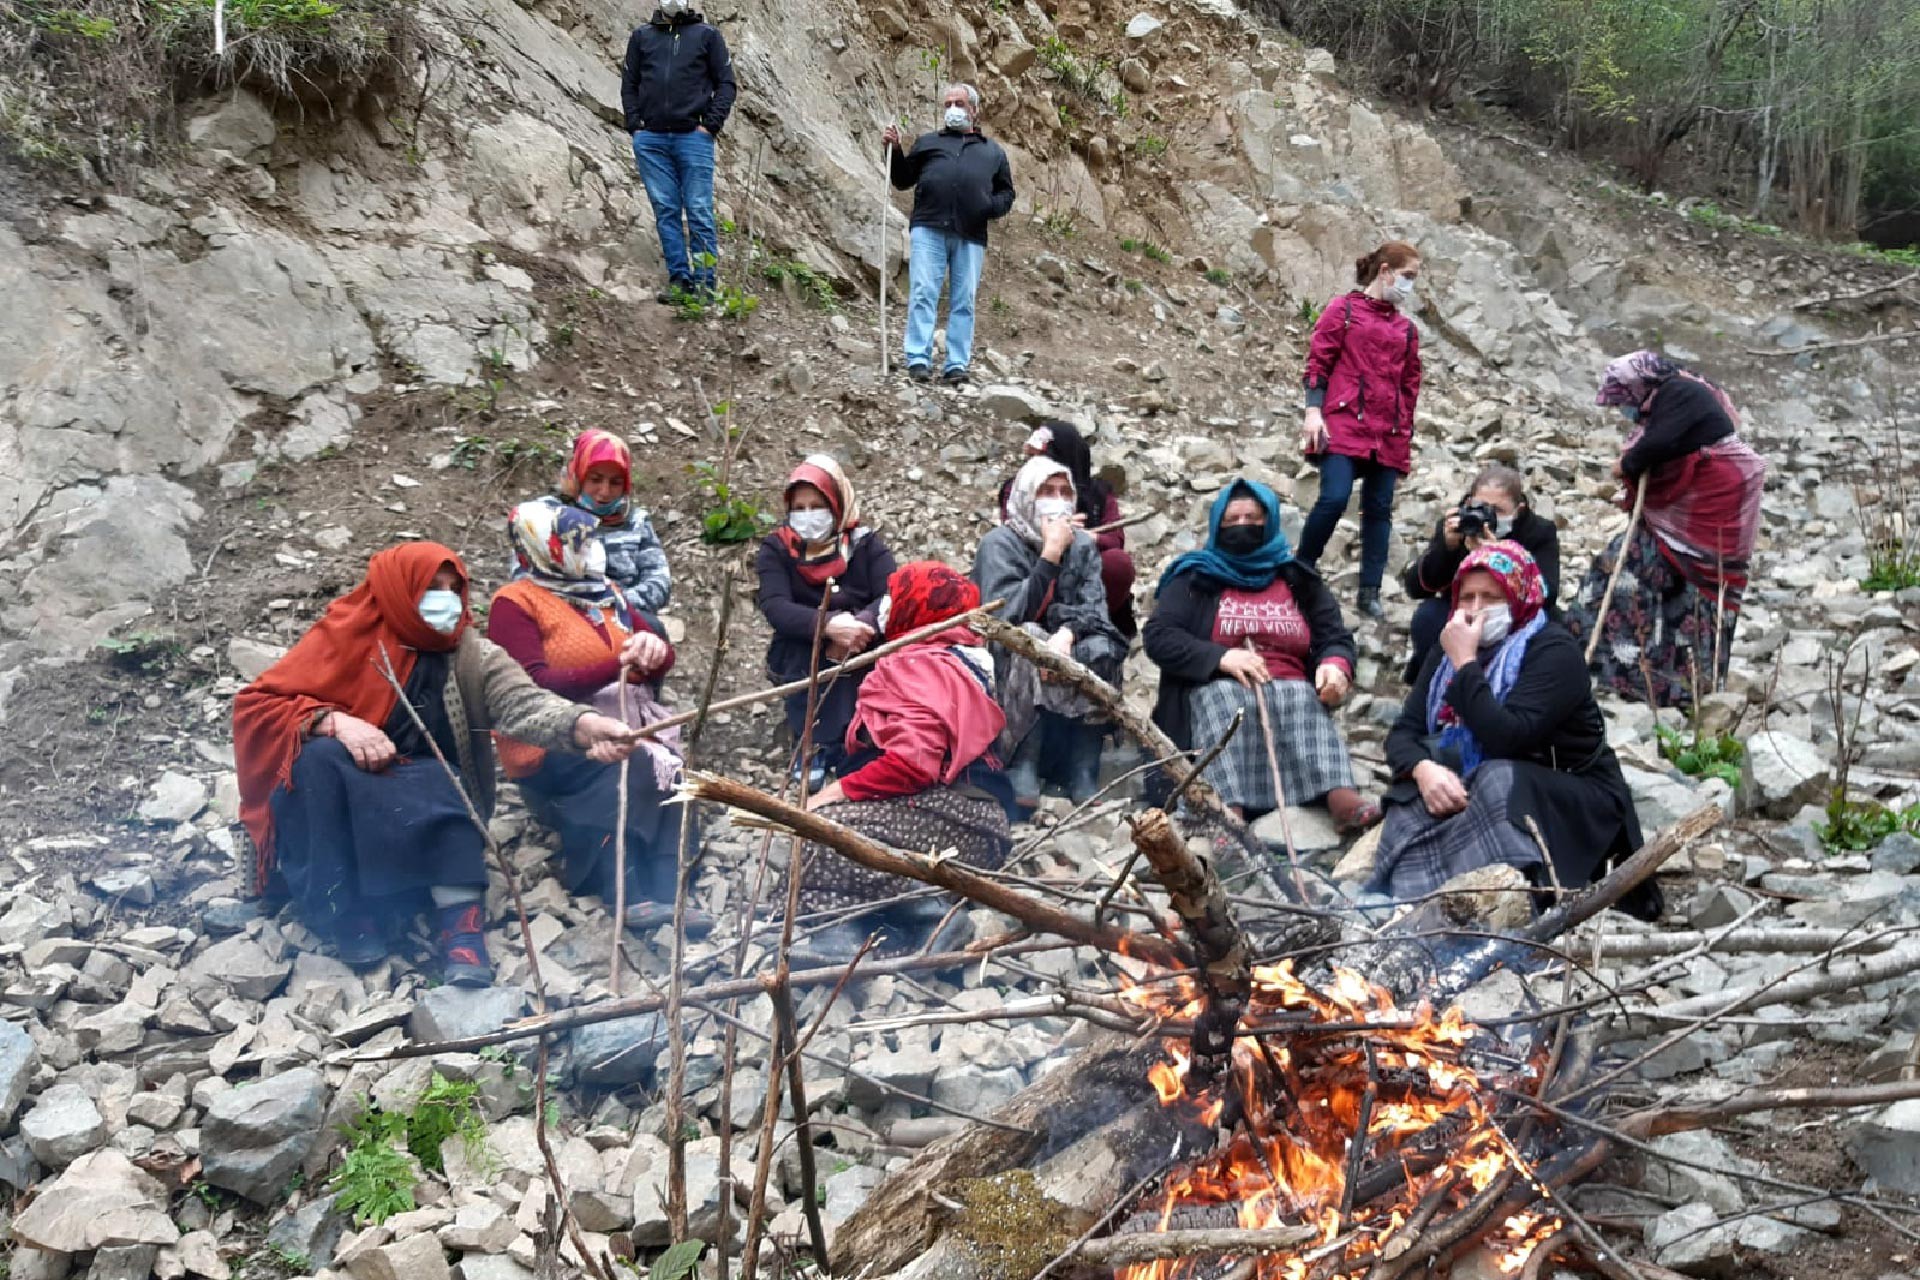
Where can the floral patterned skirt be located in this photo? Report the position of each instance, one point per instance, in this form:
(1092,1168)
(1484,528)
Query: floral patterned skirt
(1662,632)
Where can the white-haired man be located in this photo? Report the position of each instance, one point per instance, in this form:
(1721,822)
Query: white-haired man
(961,181)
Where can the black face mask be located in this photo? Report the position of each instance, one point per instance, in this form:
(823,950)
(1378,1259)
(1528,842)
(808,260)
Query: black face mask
(1242,539)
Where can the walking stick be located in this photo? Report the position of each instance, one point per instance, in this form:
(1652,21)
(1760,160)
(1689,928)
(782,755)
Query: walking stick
(880,237)
(1279,788)
(1619,561)
(620,851)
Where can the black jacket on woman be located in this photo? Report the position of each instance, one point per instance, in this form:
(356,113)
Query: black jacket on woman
(1685,416)
(1178,638)
(791,604)
(1573,788)
(1431,576)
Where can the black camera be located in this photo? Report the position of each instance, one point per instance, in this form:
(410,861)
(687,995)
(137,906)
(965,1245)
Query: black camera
(1478,520)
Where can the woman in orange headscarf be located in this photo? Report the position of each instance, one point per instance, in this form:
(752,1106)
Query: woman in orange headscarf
(339,785)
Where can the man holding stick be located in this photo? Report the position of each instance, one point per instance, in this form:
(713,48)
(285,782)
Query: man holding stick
(961,181)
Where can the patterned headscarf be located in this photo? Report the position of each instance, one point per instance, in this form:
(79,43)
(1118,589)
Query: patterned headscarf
(1520,581)
(1026,487)
(924,592)
(1633,379)
(590,449)
(819,561)
(556,546)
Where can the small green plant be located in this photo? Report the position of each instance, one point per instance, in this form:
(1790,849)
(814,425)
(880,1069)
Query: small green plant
(814,286)
(1067,120)
(1709,214)
(1892,565)
(678,1262)
(1703,755)
(71,22)
(729,517)
(1309,312)
(146,652)
(724,301)
(999,306)
(467,451)
(1090,79)
(1150,146)
(1218,275)
(1853,826)
(387,1150)
(1061,224)
(1146,249)
(1135,285)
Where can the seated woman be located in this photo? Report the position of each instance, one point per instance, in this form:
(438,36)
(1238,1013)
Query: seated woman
(1674,609)
(573,631)
(1502,492)
(820,546)
(1242,619)
(921,774)
(1095,505)
(1502,727)
(339,785)
(1047,571)
(598,479)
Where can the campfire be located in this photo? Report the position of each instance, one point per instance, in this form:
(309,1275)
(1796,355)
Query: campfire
(1367,1127)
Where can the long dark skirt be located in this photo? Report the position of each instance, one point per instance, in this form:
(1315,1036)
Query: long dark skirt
(968,824)
(1659,619)
(351,842)
(830,717)
(579,801)
(1583,819)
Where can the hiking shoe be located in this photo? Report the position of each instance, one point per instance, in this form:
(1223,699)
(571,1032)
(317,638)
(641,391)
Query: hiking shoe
(645,916)
(676,292)
(359,943)
(954,377)
(832,947)
(920,372)
(1369,603)
(463,946)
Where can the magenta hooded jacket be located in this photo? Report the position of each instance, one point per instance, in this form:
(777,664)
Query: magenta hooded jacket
(1363,371)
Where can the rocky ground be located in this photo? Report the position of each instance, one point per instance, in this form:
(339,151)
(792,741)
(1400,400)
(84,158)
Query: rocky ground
(417,344)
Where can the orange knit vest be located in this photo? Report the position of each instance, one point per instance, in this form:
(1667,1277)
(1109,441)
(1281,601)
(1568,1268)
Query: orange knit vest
(568,641)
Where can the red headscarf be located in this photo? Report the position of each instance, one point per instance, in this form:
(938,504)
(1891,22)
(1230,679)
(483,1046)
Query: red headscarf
(336,664)
(819,561)
(927,591)
(592,448)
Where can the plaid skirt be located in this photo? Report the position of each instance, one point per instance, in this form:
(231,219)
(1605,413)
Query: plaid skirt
(1419,852)
(966,826)
(1313,759)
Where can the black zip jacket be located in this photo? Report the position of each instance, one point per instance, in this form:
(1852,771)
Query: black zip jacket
(1685,416)
(1178,639)
(1431,575)
(960,181)
(678,76)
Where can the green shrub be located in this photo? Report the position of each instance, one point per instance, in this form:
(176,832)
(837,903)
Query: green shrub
(1893,565)
(1146,249)
(1853,826)
(815,286)
(1150,146)
(388,1150)
(1704,755)
(728,517)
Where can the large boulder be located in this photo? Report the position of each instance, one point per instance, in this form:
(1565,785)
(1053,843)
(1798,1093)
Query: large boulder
(63,1126)
(458,1013)
(1783,774)
(19,1059)
(100,1200)
(1886,1146)
(255,1137)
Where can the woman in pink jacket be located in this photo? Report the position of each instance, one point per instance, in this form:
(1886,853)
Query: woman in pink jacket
(1363,379)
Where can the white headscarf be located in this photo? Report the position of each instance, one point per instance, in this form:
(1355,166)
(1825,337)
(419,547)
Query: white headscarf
(1026,486)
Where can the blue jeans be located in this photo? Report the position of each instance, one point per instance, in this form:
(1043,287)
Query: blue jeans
(677,170)
(1337,474)
(940,258)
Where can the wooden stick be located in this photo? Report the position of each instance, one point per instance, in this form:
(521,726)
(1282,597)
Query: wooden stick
(1825,299)
(930,869)
(1226,961)
(789,1037)
(1126,522)
(1813,348)
(1895,964)
(1135,1247)
(858,662)
(1279,788)
(1683,1115)
(880,236)
(620,849)
(1786,941)
(1581,907)
(1619,563)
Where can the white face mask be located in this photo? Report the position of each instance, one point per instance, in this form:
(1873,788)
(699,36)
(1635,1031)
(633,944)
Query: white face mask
(1052,508)
(1400,290)
(882,612)
(441,610)
(673,8)
(815,525)
(958,118)
(1495,623)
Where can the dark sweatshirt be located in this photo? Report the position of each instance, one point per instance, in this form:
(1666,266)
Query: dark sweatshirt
(678,76)
(1685,416)
(960,181)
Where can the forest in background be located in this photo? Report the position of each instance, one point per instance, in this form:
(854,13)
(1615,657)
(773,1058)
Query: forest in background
(1796,113)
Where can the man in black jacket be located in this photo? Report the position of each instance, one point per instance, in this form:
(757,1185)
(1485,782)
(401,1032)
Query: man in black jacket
(961,181)
(677,88)
(1501,491)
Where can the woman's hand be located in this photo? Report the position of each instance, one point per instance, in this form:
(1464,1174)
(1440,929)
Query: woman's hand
(1056,535)
(848,634)
(604,739)
(1440,789)
(829,794)
(1313,432)
(1246,666)
(644,653)
(370,747)
(1332,684)
(1460,638)
(1450,531)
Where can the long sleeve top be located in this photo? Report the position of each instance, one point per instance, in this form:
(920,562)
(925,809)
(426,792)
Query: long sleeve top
(1432,574)
(513,629)
(1685,416)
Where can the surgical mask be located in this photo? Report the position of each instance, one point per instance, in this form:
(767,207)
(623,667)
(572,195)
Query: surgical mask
(815,525)
(1400,292)
(441,610)
(673,8)
(1242,539)
(605,510)
(1631,412)
(1495,623)
(1052,508)
(596,560)
(958,118)
(882,612)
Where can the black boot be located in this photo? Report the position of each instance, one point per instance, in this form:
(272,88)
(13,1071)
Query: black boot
(1369,603)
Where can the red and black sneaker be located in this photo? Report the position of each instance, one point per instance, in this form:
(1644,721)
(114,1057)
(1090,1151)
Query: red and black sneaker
(463,946)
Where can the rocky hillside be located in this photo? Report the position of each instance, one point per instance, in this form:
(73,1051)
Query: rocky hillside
(310,334)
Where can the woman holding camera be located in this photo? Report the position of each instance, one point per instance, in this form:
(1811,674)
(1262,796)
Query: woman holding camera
(1500,738)
(1363,381)
(1494,509)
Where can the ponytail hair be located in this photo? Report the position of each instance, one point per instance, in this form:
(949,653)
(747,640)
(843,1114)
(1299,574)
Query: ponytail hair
(1394,254)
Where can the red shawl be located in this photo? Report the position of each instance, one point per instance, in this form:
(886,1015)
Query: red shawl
(1704,509)
(336,665)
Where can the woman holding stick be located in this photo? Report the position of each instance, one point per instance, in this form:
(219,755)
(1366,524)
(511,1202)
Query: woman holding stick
(1242,619)
(340,787)
(1682,568)
(920,773)
(571,628)
(1502,730)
